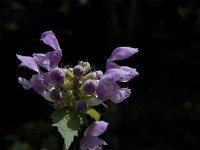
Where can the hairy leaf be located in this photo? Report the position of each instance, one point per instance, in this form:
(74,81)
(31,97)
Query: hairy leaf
(68,123)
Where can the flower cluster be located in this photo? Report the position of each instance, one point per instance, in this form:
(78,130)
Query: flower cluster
(78,88)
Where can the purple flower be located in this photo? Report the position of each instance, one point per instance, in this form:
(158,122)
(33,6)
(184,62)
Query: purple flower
(107,87)
(49,38)
(91,140)
(49,61)
(28,62)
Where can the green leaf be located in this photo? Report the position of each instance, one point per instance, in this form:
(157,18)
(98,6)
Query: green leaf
(84,119)
(68,124)
(93,113)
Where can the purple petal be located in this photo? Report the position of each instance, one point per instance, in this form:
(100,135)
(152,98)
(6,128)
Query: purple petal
(111,65)
(91,142)
(37,83)
(132,71)
(108,89)
(118,75)
(25,83)
(121,53)
(120,95)
(96,128)
(28,62)
(42,60)
(56,76)
(49,38)
(54,58)
(104,89)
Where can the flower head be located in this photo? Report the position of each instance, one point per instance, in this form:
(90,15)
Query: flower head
(76,91)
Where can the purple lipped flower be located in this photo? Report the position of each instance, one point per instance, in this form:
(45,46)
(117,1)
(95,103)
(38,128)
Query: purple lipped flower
(89,86)
(91,140)
(49,61)
(107,87)
(28,62)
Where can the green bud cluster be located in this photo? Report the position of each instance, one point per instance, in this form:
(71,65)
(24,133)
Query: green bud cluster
(72,89)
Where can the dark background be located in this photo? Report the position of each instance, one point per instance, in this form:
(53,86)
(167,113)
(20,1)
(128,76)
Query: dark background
(163,112)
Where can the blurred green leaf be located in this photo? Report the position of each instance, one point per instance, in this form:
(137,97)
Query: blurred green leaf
(93,113)
(18,145)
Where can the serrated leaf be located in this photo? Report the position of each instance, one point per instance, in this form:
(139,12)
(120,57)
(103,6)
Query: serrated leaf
(93,113)
(68,123)
(59,115)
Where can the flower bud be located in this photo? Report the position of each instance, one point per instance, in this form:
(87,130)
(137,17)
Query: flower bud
(86,66)
(98,74)
(81,105)
(78,71)
(56,95)
(58,76)
(89,86)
